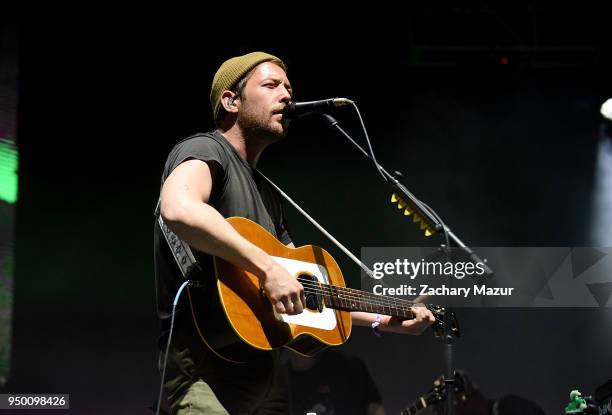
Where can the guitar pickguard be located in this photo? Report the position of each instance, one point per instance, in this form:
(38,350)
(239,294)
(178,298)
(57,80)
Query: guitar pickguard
(324,319)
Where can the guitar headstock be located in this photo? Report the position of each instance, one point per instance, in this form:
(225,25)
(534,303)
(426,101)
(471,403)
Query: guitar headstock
(432,397)
(437,394)
(439,312)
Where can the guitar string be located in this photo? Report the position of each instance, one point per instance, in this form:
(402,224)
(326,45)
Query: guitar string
(363,302)
(384,309)
(388,310)
(362,299)
(389,302)
(360,292)
(383,301)
(355,292)
(360,295)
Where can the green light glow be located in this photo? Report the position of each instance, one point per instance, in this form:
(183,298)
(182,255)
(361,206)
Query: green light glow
(8,170)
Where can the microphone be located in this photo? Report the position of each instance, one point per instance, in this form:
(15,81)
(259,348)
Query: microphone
(297,109)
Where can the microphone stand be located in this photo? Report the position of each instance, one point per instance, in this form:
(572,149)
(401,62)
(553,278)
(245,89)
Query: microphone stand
(430,216)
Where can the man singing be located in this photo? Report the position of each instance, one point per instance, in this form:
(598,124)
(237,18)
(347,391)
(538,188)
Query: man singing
(207,178)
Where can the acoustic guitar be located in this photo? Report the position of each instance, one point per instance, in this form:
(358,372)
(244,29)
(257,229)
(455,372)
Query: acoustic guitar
(236,321)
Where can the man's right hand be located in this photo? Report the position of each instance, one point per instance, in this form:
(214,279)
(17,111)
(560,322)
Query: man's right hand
(283,290)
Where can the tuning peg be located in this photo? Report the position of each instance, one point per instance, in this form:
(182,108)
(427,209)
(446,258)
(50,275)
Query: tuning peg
(394,198)
(407,211)
(428,232)
(401,204)
(416,218)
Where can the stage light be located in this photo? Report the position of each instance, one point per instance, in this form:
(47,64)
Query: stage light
(606,109)
(8,171)
(601,228)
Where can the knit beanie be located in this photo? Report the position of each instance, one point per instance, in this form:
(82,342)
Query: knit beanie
(232,70)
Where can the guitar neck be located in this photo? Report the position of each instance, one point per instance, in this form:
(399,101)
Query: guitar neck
(348,299)
(415,408)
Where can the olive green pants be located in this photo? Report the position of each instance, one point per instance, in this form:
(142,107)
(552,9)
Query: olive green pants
(198,382)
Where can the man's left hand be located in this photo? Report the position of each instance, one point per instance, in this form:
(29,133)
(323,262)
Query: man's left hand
(422,320)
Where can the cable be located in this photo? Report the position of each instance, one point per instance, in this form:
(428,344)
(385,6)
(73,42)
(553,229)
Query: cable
(367,137)
(161,386)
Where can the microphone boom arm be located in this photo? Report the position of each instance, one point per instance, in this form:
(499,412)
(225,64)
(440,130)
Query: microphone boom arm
(429,222)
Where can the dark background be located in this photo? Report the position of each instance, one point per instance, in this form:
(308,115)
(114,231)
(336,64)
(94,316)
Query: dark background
(505,153)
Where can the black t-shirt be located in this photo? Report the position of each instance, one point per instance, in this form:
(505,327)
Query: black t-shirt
(237,191)
(337,384)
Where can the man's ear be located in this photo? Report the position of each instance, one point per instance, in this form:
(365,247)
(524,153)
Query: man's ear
(229,101)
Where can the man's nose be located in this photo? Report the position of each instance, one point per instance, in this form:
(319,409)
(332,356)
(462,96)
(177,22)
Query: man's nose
(285,96)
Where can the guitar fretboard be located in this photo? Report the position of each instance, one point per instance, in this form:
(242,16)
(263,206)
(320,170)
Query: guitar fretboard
(349,299)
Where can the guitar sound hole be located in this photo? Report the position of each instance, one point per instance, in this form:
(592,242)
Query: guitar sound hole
(312,291)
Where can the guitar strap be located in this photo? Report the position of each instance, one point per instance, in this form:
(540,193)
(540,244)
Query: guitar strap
(187,263)
(319,227)
(181,251)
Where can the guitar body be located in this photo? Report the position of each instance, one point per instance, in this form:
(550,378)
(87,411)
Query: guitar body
(238,323)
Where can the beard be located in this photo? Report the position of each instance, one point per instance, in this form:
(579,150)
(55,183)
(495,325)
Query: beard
(258,122)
